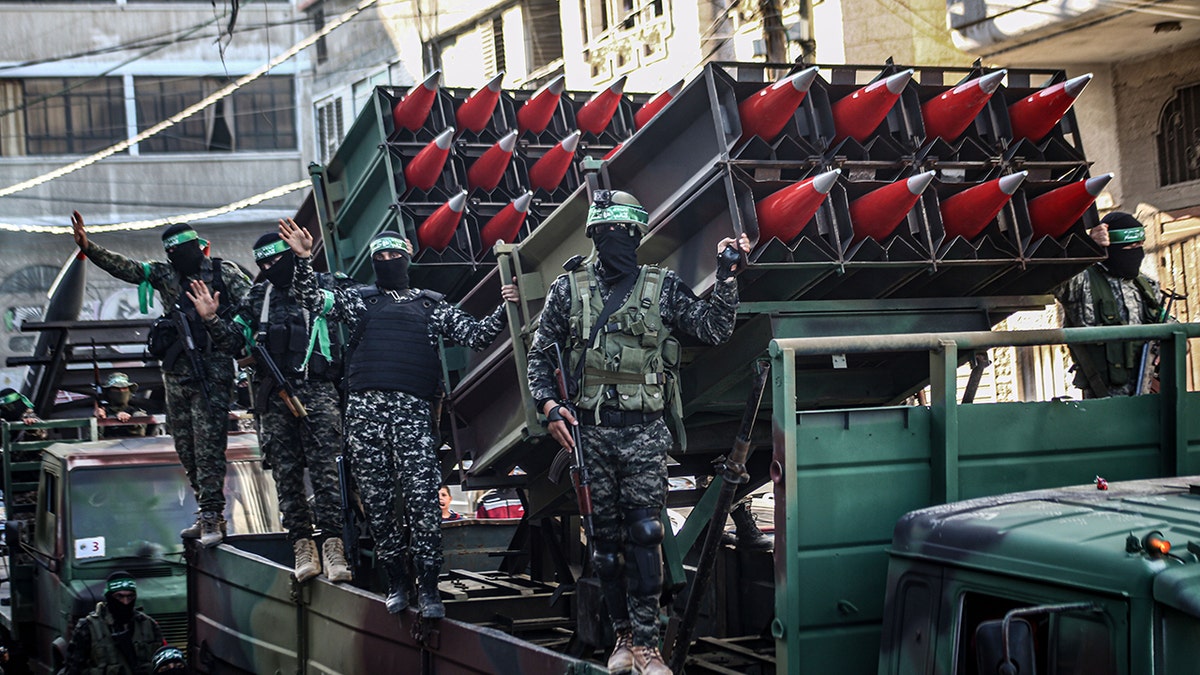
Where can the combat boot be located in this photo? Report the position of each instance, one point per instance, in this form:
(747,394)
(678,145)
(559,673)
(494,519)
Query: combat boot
(429,599)
(621,659)
(336,568)
(191,531)
(307,565)
(647,661)
(749,537)
(400,593)
(212,529)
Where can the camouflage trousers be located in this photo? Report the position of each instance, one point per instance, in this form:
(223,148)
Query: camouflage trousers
(391,449)
(291,446)
(200,428)
(628,469)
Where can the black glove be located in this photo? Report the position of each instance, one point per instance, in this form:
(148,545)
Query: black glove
(728,258)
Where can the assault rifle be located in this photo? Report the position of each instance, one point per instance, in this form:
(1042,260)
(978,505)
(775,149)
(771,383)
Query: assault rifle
(189,346)
(579,472)
(1147,378)
(282,387)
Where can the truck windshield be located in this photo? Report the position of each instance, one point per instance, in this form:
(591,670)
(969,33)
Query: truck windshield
(137,511)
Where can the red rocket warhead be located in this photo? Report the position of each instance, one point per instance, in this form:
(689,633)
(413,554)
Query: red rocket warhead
(968,212)
(1053,213)
(610,153)
(652,107)
(422,172)
(536,113)
(412,110)
(548,171)
(438,229)
(784,214)
(765,113)
(1035,116)
(949,114)
(859,114)
(487,171)
(505,225)
(476,111)
(595,115)
(878,213)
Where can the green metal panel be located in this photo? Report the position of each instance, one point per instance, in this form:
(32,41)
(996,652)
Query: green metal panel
(844,477)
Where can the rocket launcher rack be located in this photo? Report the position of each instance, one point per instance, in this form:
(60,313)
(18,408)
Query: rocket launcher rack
(701,181)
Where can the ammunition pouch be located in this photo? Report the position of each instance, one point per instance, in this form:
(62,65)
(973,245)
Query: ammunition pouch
(163,342)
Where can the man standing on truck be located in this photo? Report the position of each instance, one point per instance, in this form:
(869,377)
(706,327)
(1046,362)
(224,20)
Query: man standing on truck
(1113,292)
(613,319)
(393,375)
(115,637)
(299,420)
(197,374)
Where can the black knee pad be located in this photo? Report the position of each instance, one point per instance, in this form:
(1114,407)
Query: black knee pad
(607,560)
(644,534)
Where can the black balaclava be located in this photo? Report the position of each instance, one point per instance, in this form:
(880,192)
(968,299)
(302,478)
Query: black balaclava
(120,580)
(618,252)
(1125,261)
(391,275)
(186,256)
(270,246)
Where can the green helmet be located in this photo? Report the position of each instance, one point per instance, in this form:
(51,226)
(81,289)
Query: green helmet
(617,206)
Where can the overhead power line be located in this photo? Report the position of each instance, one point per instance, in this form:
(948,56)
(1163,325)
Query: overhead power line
(191,110)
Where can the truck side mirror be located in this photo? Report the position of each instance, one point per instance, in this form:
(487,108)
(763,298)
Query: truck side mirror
(998,654)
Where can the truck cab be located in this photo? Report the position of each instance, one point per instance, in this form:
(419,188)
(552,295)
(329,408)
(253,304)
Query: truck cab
(111,505)
(1071,580)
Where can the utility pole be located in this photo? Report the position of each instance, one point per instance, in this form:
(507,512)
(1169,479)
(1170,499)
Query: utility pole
(774,34)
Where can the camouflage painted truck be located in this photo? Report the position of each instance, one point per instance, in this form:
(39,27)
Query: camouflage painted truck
(78,510)
(868,282)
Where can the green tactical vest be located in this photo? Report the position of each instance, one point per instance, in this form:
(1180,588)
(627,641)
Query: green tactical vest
(1122,358)
(632,365)
(105,656)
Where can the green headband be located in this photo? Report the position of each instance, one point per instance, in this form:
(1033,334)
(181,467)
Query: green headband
(390,243)
(617,213)
(120,585)
(14,397)
(270,250)
(179,238)
(1128,235)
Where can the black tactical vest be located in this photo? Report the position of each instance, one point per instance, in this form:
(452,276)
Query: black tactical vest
(287,341)
(391,350)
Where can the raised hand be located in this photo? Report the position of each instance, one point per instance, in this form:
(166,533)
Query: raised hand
(206,303)
(79,232)
(297,237)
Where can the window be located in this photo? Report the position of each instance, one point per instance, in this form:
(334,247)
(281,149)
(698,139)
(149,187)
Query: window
(1179,138)
(258,116)
(67,115)
(329,128)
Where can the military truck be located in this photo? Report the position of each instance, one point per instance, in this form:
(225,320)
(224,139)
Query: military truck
(858,312)
(1086,579)
(98,506)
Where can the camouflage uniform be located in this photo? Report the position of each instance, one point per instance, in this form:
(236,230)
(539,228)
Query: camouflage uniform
(199,428)
(388,433)
(93,647)
(628,464)
(288,442)
(1080,309)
